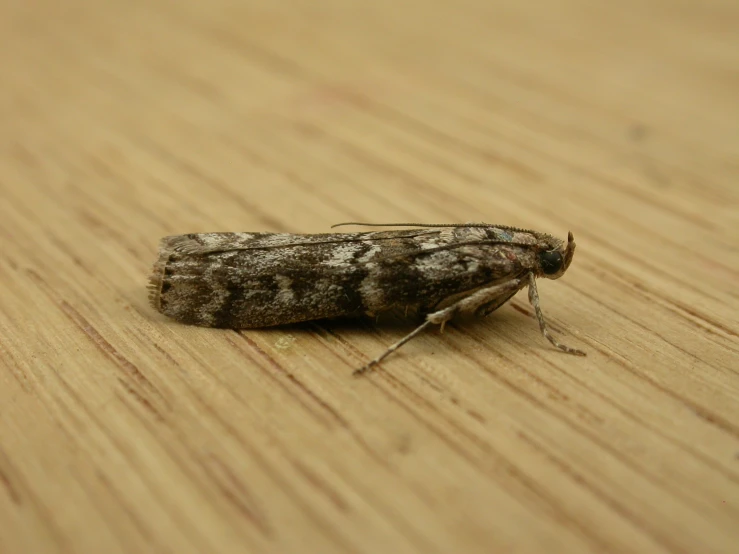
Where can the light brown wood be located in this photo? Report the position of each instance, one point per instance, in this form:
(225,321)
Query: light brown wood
(124,121)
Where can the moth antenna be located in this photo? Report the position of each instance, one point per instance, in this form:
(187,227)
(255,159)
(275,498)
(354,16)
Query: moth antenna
(437,225)
(415,224)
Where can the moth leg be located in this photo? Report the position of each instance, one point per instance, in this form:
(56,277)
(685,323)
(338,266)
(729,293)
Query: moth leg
(440,317)
(534,299)
(392,348)
(486,309)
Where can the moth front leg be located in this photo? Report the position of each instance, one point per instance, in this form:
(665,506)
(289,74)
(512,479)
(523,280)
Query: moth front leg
(468,304)
(534,299)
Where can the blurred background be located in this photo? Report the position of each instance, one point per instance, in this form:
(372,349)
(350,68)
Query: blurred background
(127,120)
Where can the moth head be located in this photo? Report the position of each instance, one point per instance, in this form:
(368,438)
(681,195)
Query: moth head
(556,258)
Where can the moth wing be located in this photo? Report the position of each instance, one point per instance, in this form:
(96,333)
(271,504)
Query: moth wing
(207,243)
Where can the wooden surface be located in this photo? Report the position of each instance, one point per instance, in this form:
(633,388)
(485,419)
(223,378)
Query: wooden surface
(124,121)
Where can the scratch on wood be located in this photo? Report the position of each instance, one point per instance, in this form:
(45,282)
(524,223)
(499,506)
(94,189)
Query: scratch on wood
(320,415)
(130,512)
(15,369)
(104,346)
(140,399)
(236,493)
(336,416)
(610,502)
(700,411)
(494,463)
(325,406)
(8,485)
(259,457)
(320,484)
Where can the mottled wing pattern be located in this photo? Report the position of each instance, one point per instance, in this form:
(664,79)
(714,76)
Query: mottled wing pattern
(242,280)
(206,243)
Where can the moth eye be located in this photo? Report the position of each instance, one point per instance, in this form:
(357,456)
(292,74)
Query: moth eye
(551,262)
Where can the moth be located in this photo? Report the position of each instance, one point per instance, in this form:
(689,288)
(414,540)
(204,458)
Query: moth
(252,280)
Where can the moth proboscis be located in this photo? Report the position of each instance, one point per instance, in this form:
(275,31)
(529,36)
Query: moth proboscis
(252,280)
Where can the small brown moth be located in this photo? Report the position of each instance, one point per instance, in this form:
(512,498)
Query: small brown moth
(249,280)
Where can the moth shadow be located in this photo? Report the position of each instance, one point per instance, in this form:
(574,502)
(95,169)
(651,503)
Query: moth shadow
(353,324)
(397,322)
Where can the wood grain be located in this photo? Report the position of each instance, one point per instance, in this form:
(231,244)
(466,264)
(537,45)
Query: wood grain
(124,121)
